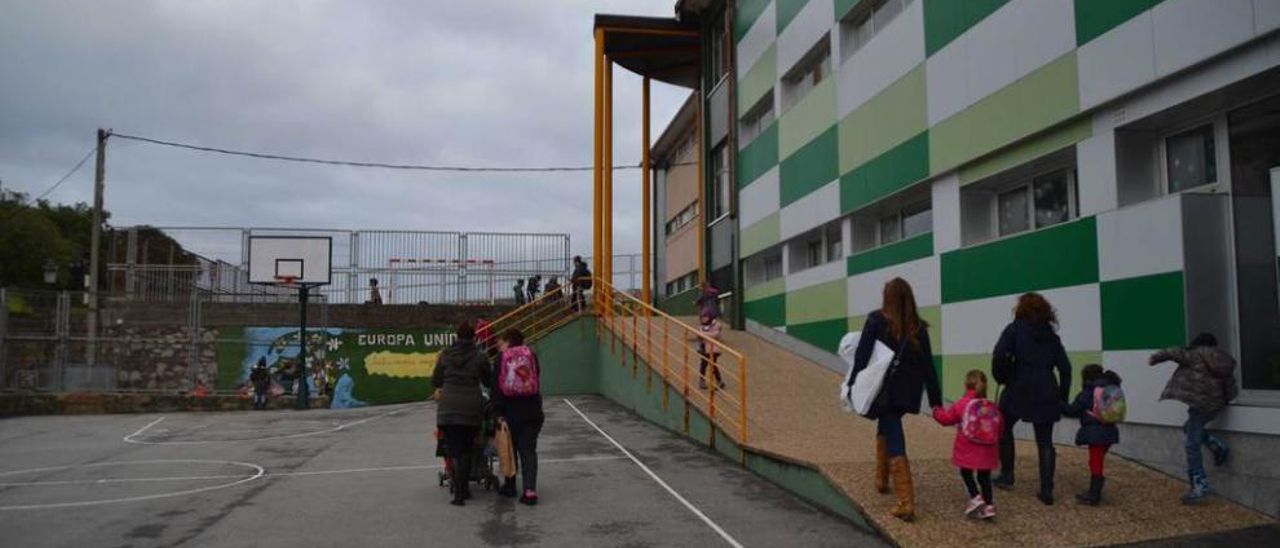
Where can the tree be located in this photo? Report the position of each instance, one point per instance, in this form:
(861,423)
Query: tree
(31,235)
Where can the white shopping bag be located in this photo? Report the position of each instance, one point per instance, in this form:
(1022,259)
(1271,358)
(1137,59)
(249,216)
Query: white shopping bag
(857,394)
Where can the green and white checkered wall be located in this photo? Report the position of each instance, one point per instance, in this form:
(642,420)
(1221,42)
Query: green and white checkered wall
(961,90)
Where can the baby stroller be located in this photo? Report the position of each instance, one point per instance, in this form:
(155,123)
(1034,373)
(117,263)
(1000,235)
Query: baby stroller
(483,457)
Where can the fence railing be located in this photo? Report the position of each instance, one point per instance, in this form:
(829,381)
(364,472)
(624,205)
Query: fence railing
(681,356)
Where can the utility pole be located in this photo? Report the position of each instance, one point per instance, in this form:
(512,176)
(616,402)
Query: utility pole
(95,238)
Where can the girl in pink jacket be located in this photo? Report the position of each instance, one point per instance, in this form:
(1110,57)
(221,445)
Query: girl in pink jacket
(976,449)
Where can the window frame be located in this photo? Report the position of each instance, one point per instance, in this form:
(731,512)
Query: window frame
(850,25)
(1027,184)
(1217,124)
(815,61)
(753,124)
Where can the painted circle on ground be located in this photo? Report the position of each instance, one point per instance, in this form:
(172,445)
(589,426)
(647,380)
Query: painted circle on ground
(76,479)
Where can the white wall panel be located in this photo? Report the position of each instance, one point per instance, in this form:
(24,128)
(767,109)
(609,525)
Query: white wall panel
(972,327)
(924,275)
(759,199)
(1190,31)
(758,39)
(889,56)
(829,272)
(1140,240)
(819,207)
(1096,174)
(814,20)
(1121,60)
(946,213)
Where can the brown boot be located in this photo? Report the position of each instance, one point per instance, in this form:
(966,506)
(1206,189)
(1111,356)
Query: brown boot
(906,508)
(882,465)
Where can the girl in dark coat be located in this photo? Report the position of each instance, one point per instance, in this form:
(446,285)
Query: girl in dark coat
(524,417)
(1024,361)
(898,325)
(1097,435)
(460,371)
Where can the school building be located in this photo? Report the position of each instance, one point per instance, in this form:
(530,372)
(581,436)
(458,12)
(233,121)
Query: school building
(1120,157)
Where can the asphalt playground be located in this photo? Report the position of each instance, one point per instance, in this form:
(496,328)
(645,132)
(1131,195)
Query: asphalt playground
(368,477)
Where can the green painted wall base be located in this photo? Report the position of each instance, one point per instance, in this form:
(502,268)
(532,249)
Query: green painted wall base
(574,361)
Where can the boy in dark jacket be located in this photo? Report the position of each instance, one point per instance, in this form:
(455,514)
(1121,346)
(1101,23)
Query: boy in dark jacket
(261,380)
(1205,380)
(1099,436)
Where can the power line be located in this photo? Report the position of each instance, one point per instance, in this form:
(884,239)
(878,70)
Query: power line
(349,163)
(67,176)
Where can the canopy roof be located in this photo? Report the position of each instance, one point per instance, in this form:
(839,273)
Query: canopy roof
(663,48)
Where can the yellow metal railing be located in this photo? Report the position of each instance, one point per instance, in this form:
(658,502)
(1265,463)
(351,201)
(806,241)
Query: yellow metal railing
(534,319)
(669,349)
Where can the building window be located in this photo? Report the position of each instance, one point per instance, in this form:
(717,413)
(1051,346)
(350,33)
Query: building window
(757,119)
(1190,159)
(890,229)
(763,267)
(1044,201)
(682,284)
(718,58)
(917,219)
(682,219)
(720,187)
(864,23)
(812,69)
(817,247)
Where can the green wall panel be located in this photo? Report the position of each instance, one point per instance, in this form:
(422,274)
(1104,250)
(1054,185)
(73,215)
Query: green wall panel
(1095,17)
(807,119)
(758,157)
(917,247)
(1027,150)
(825,301)
(825,334)
(680,304)
(810,168)
(745,14)
(765,289)
(809,484)
(842,7)
(888,173)
(788,10)
(770,311)
(760,236)
(570,358)
(1059,256)
(1040,100)
(1143,313)
(946,20)
(893,116)
(758,80)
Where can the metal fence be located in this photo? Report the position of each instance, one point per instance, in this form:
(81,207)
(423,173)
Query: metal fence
(46,342)
(167,263)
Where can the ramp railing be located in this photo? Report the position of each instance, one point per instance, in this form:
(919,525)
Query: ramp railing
(681,356)
(546,313)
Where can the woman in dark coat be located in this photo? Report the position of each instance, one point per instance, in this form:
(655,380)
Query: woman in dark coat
(898,325)
(460,371)
(1025,359)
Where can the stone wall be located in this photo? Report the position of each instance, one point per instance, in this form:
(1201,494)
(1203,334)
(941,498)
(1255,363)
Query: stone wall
(160,358)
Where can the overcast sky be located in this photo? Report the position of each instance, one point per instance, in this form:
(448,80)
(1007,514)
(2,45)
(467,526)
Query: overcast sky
(474,82)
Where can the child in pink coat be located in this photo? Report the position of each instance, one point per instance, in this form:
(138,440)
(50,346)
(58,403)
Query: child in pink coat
(976,451)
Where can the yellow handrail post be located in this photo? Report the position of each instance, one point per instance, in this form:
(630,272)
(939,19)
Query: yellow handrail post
(666,364)
(684,381)
(742,398)
(635,345)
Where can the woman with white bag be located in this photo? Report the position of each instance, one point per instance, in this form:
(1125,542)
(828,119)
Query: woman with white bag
(898,326)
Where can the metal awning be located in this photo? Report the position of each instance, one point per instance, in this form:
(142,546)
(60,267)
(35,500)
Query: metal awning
(663,48)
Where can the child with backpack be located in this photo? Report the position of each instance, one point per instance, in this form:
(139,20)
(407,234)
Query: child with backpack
(518,397)
(1100,406)
(976,451)
(709,353)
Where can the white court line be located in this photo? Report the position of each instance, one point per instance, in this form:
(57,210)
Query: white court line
(265,475)
(258,472)
(131,438)
(719,530)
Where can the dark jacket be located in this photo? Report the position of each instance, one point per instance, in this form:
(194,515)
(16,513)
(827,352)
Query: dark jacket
(1205,379)
(261,380)
(581,277)
(460,372)
(1024,360)
(517,410)
(1092,431)
(915,373)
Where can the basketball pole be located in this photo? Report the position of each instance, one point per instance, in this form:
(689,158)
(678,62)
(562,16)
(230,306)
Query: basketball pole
(303,400)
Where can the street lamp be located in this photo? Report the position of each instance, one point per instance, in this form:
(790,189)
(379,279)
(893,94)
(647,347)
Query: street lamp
(50,272)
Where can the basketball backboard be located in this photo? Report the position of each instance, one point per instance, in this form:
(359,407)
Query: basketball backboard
(303,259)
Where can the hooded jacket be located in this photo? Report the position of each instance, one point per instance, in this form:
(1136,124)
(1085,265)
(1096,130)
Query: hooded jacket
(1205,379)
(1024,360)
(1092,431)
(460,372)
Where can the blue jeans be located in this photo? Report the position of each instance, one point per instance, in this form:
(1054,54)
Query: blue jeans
(890,426)
(1197,438)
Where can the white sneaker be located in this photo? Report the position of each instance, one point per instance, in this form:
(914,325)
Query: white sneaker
(975,504)
(988,512)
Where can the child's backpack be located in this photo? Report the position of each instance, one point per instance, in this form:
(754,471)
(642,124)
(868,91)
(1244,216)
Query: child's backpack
(518,375)
(982,422)
(1108,404)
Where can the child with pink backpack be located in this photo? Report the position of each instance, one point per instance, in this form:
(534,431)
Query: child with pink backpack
(976,449)
(517,395)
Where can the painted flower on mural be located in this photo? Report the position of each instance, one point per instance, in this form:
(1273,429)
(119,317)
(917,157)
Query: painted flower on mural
(334,344)
(344,364)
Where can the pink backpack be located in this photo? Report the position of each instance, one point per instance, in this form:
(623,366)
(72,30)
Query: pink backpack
(982,422)
(518,375)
